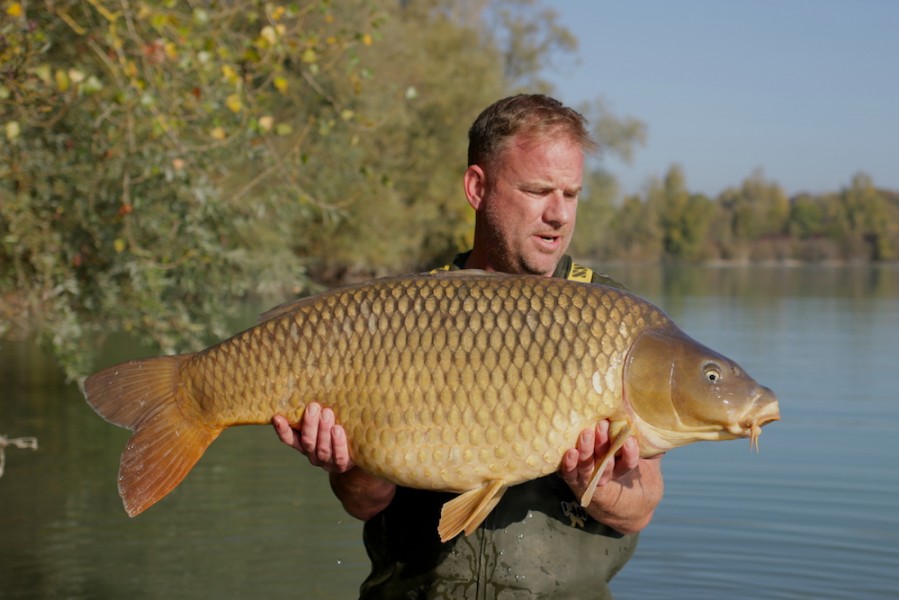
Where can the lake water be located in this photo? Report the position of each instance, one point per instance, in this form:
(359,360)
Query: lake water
(815,514)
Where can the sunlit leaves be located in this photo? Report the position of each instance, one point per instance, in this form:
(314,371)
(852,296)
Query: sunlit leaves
(149,156)
(13,129)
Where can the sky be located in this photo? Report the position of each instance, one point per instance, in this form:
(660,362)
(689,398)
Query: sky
(807,91)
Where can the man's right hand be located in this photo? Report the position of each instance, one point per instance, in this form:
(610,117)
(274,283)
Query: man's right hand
(324,443)
(318,437)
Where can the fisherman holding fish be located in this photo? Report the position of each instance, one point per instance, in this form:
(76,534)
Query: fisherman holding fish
(465,381)
(526,160)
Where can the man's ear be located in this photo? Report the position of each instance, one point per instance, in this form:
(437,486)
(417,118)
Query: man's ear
(475,184)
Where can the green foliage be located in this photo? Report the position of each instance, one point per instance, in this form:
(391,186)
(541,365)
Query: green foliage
(154,162)
(861,221)
(162,160)
(404,207)
(683,218)
(595,210)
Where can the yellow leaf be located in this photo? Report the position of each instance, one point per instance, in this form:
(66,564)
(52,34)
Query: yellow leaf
(119,245)
(281,84)
(171,50)
(278,13)
(14,10)
(266,123)
(12,130)
(230,74)
(366,39)
(43,72)
(62,80)
(268,34)
(76,76)
(218,133)
(233,102)
(309,56)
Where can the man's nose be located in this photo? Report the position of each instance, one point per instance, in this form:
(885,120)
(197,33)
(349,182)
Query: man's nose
(559,209)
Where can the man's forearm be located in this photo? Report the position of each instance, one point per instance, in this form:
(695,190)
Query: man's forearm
(628,503)
(362,494)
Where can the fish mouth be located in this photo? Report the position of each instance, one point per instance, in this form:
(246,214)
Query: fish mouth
(763,410)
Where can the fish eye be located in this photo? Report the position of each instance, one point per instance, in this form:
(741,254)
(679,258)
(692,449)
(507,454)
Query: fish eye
(712,372)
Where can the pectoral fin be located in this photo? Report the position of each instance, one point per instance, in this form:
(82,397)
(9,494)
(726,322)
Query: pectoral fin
(620,433)
(469,510)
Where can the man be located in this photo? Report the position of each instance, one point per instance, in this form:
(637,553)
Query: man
(526,162)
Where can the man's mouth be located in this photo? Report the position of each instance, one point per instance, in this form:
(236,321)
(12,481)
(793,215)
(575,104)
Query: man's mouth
(549,239)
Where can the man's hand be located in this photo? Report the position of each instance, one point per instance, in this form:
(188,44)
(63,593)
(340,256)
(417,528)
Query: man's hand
(318,437)
(592,445)
(629,489)
(324,443)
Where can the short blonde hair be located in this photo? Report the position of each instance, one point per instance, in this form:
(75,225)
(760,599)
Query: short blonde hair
(535,115)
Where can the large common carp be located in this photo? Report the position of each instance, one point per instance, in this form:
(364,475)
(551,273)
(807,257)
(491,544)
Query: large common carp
(464,381)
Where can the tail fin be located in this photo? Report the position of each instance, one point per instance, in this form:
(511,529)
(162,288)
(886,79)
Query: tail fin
(145,396)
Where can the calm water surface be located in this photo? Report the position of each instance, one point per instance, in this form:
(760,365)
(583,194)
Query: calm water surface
(814,515)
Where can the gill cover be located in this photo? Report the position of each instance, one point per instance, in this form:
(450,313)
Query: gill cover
(682,391)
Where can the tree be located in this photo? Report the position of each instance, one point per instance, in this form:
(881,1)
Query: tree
(156,157)
(684,218)
(865,215)
(616,136)
(594,214)
(634,232)
(758,208)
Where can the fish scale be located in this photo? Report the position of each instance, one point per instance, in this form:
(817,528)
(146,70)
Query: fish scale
(463,381)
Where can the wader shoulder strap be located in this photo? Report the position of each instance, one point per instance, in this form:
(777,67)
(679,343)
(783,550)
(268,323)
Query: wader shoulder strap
(580,273)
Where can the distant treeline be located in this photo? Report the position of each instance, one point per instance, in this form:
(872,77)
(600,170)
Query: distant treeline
(753,222)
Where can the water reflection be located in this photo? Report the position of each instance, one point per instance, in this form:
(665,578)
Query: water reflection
(251,518)
(812,516)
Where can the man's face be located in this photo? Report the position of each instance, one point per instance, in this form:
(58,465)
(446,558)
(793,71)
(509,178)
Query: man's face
(530,204)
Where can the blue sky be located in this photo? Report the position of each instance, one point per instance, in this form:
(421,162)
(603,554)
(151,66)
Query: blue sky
(805,90)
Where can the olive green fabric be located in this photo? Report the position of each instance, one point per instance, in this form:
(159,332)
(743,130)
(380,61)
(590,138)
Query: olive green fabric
(537,543)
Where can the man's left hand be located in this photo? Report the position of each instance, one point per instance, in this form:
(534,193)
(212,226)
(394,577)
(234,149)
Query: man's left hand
(592,445)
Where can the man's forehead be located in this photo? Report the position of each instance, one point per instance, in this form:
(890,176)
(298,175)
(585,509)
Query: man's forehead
(527,140)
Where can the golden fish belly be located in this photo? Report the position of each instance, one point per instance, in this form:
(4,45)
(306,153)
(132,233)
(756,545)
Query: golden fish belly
(441,382)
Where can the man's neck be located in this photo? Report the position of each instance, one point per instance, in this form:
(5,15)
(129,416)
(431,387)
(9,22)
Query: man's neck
(475,260)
